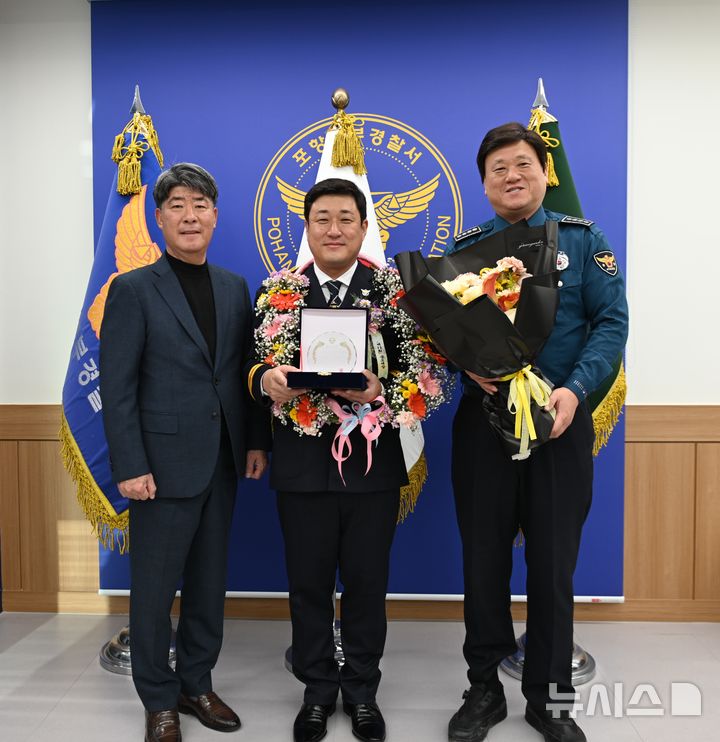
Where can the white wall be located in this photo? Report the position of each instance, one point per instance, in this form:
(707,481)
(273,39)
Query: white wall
(673,355)
(674,162)
(46,242)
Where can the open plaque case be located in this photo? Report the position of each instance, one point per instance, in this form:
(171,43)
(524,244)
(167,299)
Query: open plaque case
(333,349)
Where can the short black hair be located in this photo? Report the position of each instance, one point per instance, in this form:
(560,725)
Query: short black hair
(336,187)
(506,134)
(185,174)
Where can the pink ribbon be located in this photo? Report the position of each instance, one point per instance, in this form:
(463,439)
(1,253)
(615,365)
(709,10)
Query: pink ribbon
(350,417)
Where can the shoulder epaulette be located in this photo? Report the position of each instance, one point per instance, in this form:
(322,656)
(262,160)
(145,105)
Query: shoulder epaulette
(577,220)
(468,233)
(473,231)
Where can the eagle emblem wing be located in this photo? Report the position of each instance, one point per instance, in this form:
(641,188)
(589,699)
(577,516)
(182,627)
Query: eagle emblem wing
(391,210)
(134,248)
(394,209)
(293,197)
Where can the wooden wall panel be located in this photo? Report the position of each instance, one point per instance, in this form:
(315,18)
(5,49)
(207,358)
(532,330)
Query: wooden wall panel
(10,516)
(649,423)
(672,525)
(660,520)
(707,522)
(59,552)
(30,422)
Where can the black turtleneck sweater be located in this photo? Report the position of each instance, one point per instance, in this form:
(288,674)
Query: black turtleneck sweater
(195,282)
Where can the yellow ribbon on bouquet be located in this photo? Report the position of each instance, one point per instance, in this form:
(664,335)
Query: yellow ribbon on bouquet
(525,388)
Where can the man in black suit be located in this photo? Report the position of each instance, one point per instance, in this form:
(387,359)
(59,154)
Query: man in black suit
(326,523)
(175,338)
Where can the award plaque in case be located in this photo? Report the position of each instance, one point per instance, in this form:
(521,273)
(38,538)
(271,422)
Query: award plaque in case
(333,349)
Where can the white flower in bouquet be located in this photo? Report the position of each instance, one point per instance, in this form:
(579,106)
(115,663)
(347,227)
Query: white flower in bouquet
(501,284)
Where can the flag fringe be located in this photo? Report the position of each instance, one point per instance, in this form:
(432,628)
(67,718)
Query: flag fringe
(128,156)
(109,527)
(347,148)
(411,491)
(607,413)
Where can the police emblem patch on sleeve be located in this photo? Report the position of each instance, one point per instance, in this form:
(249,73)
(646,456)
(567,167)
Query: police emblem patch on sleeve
(606,262)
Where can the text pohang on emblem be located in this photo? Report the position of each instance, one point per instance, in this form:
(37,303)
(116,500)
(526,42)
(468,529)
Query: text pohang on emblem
(415,193)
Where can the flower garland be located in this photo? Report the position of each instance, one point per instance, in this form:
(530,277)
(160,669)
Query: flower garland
(410,395)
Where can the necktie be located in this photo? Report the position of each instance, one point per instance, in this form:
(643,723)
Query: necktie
(334,288)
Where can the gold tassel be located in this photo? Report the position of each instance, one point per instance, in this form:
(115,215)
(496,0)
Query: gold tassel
(538,117)
(552,178)
(519,539)
(411,491)
(129,174)
(107,525)
(128,156)
(117,147)
(607,413)
(347,149)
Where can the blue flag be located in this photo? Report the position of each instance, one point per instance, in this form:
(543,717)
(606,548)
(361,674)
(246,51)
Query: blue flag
(125,243)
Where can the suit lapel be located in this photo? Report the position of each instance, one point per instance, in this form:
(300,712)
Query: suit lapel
(169,287)
(315,297)
(362,279)
(221,295)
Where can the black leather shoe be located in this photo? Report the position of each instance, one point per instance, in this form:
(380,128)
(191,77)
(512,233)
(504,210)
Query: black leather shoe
(482,709)
(367,721)
(311,722)
(162,726)
(211,711)
(563,729)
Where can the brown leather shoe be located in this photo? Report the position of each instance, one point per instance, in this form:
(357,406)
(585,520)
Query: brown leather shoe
(210,710)
(162,726)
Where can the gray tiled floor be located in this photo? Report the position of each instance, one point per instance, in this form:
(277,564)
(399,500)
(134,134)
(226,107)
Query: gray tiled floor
(52,687)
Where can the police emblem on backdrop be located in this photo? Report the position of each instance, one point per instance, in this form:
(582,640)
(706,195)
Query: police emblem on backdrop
(606,262)
(415,193)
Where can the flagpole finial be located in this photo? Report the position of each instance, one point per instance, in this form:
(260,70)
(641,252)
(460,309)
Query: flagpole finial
(540,99)
(137,106)
(340,99)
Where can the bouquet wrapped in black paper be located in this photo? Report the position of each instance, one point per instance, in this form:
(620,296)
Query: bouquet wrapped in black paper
(489,309)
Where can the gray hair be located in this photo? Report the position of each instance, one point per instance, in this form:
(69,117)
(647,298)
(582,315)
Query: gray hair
(185,174)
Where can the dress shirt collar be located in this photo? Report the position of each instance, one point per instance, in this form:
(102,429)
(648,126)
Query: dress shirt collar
(345,279)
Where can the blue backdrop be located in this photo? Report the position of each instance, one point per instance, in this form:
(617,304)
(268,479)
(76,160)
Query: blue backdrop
(243,91)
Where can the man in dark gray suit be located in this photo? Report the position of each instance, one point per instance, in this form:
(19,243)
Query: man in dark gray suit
(175,338)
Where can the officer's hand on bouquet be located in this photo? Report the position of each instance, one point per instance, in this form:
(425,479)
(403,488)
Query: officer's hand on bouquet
(485,383)
(564,402)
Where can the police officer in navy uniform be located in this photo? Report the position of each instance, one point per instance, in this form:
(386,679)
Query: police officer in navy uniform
(547,495)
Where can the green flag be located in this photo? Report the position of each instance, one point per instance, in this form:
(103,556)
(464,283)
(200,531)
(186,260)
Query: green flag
(607,401)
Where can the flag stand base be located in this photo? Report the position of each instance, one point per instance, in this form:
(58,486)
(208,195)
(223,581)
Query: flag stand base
(583,663)
(115,654)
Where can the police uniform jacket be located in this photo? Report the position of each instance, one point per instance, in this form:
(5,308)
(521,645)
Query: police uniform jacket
(591,324)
